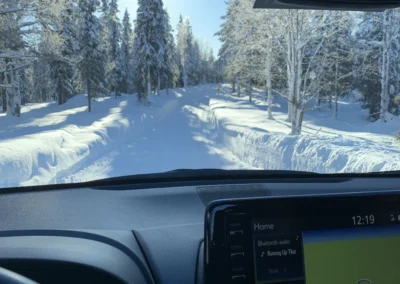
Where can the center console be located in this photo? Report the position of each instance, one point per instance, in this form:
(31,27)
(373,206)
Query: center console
(321,239)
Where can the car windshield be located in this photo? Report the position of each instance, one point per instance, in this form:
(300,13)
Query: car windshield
(94,89)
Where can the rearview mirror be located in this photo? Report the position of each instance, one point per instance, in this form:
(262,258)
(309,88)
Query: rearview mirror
(350,5)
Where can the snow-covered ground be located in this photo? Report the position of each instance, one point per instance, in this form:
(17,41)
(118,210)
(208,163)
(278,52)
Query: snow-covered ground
(344,145)
(193,128)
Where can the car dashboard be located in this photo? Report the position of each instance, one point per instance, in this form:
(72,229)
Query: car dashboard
(177,232)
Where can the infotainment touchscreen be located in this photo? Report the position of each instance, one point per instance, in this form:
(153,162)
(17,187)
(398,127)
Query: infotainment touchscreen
(319,240)
(356,255)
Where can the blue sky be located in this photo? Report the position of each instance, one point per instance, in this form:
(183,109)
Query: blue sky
(204,16)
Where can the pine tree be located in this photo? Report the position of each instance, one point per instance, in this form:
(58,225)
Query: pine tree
(41,86)
(368,63)
(144,49)
(149,46)
(228,51)
(24,87)
(166,53)
(161,37)
(92,63)
(103,12)
(171,70)
(180,50)
(105,6)
(114,68)
(195,75)
(186,52)
(211,74)
(62,65)
(126,83)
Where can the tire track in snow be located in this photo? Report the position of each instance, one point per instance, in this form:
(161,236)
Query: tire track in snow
(98,166)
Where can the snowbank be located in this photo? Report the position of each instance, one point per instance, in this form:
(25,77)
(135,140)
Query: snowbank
(49,141)
(244,130)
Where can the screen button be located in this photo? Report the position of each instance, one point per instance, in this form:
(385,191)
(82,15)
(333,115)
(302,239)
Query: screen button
(238,269)
(236,247)
(236,233)
(235,225)
(238,278)
(238,255)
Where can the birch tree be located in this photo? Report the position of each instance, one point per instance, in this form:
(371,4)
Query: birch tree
(390,33)
(306,33)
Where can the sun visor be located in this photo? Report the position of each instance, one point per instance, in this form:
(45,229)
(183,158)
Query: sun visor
(348,5)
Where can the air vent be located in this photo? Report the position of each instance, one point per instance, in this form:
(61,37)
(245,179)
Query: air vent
(208,194)
(353,5)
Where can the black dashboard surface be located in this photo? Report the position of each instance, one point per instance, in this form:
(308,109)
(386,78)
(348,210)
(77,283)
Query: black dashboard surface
(167,223)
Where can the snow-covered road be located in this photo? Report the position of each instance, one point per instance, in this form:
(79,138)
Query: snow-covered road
(174,139)
(187,129)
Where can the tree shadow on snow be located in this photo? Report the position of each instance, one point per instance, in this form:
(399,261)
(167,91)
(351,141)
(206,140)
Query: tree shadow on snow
(54,117)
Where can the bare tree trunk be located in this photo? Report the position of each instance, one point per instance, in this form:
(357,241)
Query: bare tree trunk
(7,90)
(294,122)
(148,82)
(319,102)
(89,95)
(185,78)
(269,87)
(116,91)
(59,93)
(13,92)
(298,121)
(295,54)
(249,88)
(385,66)
(167,85)
(4,99)
(289,112)
(158,83)
(3,93)
(335,111)
(238,85)
(290,73)
(234,86)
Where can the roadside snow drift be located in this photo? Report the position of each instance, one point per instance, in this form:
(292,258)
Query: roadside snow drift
(327,146)
(49,141)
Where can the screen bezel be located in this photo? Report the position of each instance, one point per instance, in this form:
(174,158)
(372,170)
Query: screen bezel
(285,208)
